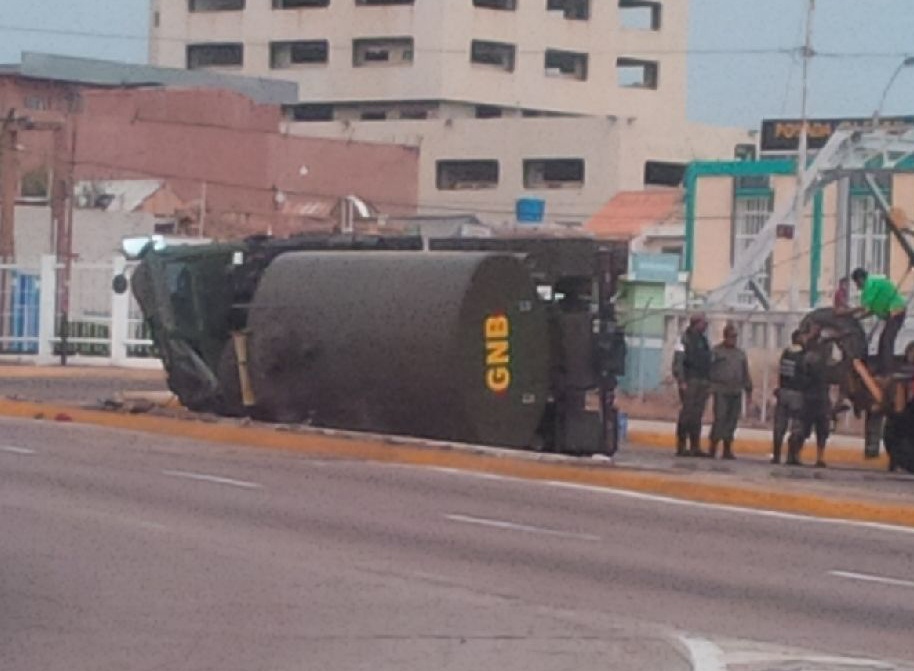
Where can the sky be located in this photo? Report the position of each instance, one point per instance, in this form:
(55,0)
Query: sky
(743,55)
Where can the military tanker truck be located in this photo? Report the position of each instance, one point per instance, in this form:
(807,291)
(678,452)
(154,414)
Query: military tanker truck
(499,341)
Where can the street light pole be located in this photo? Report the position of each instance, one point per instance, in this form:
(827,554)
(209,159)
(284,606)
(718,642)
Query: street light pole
(906,63)
(800,201)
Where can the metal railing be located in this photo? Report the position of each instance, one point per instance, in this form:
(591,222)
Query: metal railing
(103,328)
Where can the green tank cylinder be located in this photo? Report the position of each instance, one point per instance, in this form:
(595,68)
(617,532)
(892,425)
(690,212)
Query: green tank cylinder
(447,345)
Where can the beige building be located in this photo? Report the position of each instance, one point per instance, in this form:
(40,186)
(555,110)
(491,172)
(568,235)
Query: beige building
(842,229)
(568,101)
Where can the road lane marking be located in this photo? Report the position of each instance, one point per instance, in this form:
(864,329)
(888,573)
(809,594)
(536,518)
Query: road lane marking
(203,477)
(16,450)
(865,577)
(758,512)
(669,500)
(703,654)
(511,526)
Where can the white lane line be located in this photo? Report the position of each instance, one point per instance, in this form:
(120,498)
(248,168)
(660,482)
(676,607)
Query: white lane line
(16,450)
(511,526)
(668,500)
(864,577)
(655,498)
(203,477)
(703,654)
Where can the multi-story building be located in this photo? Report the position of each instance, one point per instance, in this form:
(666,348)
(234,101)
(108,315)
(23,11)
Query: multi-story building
(567,101)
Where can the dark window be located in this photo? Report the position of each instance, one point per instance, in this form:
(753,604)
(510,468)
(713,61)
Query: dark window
(637,74)
(214,55)
(496,4)
(578,10)
(310,112)
(749,183)
(382,51)
(555,173)
(640,14)
(496,54)
(215,5)
(299,4)
(458,175)
(567,64)
(744,152)
(414,114)
(488,112)
(287,54)
(373,115)
(663,173)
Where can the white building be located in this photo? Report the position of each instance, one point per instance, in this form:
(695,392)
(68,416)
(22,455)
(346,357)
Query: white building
(567,101)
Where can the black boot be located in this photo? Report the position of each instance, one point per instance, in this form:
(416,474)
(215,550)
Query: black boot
(712,452)
(776,455)
(728,450)
(695,445)
(793,454)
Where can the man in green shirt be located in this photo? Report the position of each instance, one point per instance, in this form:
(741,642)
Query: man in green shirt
(880,297)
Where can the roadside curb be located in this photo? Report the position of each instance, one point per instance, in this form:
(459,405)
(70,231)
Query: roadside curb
(762,448)
(509,463)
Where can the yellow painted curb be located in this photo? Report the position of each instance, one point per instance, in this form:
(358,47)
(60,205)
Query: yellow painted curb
(762,448)
(28,372)
(520,466)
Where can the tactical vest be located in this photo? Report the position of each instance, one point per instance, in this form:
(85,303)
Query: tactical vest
(789,373)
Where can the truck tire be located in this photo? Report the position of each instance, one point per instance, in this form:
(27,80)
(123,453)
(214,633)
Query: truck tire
(899,440)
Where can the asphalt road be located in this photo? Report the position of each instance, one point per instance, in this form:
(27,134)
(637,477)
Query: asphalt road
(125,551)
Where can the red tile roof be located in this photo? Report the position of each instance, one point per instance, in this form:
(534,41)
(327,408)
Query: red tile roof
(629,213)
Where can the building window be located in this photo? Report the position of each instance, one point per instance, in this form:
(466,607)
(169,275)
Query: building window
(382,51)
(509,5)
(37,103)
(751,210)
(469,175)
(664,173)
(488,112)
(381,3)
(578,10)
(414,114)
(637,74)
(288,54)
(215,5)
(555,173)
(299,4)
(373,115)
(640,14)
(215,55)
(566,64)
(310,112)
(495,54)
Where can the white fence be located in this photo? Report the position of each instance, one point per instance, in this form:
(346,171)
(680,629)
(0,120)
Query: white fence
(104,328)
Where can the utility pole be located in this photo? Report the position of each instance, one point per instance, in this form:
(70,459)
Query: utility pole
(9,191)
(799,205)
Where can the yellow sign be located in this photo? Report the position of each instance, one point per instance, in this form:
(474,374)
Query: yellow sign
(498,353)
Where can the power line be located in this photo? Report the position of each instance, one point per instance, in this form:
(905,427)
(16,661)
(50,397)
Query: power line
(728,51)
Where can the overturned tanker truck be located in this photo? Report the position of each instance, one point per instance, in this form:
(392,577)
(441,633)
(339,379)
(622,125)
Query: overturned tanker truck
(498,341)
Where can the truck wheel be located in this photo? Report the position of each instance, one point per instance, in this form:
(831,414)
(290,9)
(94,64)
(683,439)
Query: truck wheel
(899,442)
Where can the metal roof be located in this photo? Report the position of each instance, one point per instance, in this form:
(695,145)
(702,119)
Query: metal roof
(117,74)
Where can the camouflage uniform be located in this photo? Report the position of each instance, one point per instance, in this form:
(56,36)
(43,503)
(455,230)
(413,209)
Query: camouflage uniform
(692,370)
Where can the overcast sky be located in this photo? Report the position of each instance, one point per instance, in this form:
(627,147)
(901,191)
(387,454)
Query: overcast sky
(726,86)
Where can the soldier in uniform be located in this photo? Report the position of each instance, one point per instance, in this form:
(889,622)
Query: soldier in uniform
(729,380)
(789,393)
(816,411)
(692,370)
